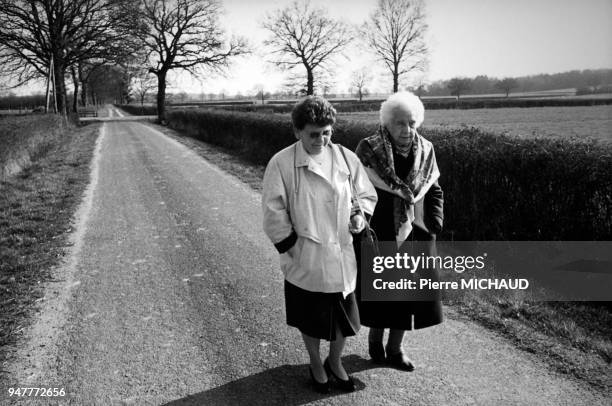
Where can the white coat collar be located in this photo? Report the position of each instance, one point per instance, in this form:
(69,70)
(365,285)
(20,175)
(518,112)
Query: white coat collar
(303,159)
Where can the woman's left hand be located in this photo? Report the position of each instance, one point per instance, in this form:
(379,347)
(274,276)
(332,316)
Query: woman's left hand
(357,224)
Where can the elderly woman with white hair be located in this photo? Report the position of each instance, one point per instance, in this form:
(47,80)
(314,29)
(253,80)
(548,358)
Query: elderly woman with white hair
(401,164)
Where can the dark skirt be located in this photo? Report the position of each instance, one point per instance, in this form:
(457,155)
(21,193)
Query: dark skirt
(401,315)
(319,315)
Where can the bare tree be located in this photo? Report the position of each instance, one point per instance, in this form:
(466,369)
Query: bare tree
(260,92)
(34,32)
(420,90)
(305,36)
(459,86)
(294,85)
(184,35)
(324,82)
(395,32)
(506,85)
(142,84)
(359,79)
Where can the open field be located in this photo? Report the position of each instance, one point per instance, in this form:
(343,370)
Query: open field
(558,95)
(593,121)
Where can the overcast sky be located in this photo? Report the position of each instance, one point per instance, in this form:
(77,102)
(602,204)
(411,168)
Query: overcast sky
(466,38)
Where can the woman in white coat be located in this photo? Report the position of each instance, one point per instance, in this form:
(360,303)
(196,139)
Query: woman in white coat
(310,211)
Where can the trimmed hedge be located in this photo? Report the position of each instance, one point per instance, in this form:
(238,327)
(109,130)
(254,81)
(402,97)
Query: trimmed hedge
(211,103)
(430,104)
(138,110)
(496,187)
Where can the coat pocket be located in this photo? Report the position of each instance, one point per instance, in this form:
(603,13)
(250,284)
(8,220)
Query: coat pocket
(309,255)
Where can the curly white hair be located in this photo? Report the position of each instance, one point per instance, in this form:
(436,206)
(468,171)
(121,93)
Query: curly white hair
(406,101)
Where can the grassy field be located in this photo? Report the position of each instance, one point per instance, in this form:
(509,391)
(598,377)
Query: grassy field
(593,121)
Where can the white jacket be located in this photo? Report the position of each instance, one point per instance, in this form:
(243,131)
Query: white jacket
(307,217)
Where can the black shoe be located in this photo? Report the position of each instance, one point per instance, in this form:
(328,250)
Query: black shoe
(377,352)
(319,387)
(346,385)
(400,361)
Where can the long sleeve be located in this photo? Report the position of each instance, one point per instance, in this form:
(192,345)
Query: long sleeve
(365,190)
(434,208)
(276,220)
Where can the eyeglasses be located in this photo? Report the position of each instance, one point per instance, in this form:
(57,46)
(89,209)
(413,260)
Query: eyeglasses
(317,134)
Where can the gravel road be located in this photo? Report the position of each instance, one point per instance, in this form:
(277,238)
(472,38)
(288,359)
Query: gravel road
(173,295)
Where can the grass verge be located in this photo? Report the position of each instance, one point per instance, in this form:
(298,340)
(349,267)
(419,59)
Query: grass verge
(574,338)
(36,209)
(25,138)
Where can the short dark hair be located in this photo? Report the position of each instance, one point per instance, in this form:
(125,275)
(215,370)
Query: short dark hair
(313,110)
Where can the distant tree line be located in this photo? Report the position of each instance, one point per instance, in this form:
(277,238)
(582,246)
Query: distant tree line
(585,81)
(14,102)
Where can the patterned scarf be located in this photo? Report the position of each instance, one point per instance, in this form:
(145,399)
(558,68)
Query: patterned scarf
(376,154)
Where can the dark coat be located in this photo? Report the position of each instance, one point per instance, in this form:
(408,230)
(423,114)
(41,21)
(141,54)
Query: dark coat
(428,222)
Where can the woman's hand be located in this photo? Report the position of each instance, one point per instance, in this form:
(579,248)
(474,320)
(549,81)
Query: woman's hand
(291,251)
(357,224)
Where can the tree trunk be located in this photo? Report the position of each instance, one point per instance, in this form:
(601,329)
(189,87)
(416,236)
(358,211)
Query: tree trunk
(395,81)
(75,97)
(161,96)
(310,82)
(83,86)
(60,85)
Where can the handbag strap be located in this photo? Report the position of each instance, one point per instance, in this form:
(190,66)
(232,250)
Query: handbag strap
(353,189)
(368,231)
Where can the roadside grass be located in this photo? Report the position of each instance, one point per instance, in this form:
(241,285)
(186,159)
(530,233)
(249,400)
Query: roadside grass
(574,338)
(25,138)
(36,209)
